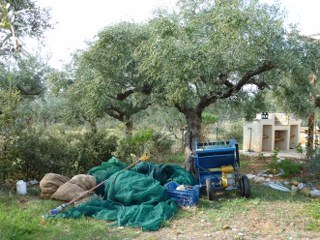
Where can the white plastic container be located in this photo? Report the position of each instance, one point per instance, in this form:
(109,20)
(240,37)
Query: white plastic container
(21,187)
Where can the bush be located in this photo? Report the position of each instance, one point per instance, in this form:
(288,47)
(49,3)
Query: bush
(289,167)
(314,164)
(37,152)
(93,148)
(144,141)
(235,131)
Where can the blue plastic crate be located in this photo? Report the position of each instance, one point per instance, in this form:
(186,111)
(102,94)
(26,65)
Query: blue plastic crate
(187,197)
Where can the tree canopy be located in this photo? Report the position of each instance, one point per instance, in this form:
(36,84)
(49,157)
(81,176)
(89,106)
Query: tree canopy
(20,18)
(107,75)
(211,50)
(204,52)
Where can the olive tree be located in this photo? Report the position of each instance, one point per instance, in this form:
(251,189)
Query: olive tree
(213,50)
(299,90)
(107,77)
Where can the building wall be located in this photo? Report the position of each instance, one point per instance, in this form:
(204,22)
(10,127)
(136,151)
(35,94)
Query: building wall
(278,131)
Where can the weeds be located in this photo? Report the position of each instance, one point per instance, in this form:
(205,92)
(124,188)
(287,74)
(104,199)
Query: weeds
(314,211)
(314,164)
(289,167)
(22,217)
(274,155)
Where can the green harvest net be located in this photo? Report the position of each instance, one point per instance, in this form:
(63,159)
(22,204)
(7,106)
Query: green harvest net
(133,197)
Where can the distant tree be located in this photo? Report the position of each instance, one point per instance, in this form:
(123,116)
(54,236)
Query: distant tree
(27,74)
(299,90)
(10,125)
(215,50)
(107,78)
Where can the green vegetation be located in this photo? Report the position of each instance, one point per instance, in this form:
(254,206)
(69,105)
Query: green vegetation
(314,211)
(157,87)
(174,84)
(22,217)
(289,167)
(314,164)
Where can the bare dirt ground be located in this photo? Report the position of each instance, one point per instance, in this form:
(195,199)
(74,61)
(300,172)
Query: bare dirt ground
(276,220)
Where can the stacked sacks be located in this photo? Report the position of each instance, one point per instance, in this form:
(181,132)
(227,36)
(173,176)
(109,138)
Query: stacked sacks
(74,188)
(62,188)
(50,183)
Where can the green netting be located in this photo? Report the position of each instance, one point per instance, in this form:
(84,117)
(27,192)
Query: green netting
(148,217)
(182,176)
(104,171)
(131,188)
(166,172)
(134,197)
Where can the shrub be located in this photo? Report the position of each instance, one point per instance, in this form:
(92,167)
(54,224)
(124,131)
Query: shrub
(234,131)
(37,152)
(144,141)
(314,164)
(93,148)
(289,167)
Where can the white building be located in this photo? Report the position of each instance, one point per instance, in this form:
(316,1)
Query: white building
(270,131)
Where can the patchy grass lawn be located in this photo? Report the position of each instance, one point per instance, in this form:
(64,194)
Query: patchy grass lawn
(268,214)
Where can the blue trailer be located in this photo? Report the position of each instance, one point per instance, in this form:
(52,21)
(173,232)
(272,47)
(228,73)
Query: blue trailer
(217,165)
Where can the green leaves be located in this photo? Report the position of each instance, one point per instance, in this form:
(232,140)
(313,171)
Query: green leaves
(107,76)
(20,18)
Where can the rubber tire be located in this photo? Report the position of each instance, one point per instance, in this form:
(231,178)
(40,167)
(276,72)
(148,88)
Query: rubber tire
(241,187)
(245,190)
(209,189)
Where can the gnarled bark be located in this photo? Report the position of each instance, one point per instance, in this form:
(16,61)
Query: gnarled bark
(192,136)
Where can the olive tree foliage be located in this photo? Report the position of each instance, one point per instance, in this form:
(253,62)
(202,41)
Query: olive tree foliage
(26,74)
(107,77)
(213,50)
(18,19)
(299,92)
(21,82)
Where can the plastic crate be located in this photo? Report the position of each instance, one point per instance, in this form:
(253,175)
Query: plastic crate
(187,197)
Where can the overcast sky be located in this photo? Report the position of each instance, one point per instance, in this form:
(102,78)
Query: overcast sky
(80,20)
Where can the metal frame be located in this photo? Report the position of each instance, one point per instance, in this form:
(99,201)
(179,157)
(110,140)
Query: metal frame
(211,156)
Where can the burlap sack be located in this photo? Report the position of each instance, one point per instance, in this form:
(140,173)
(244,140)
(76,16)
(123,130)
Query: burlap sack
(75,187)
(50,183)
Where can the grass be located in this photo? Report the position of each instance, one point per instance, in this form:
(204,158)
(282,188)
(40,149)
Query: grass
(22,217)
(314,211)
(229,204)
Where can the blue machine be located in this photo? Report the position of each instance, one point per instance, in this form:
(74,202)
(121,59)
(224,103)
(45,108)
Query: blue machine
(217,165)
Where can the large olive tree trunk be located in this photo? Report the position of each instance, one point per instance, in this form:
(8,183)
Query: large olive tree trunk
(129,127)
(192,136)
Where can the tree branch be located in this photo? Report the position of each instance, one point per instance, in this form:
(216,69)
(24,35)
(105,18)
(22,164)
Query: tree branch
(28,92)
(115,113)
(122,96)
(231,88)
(248,75)
(145,89)
(261,85)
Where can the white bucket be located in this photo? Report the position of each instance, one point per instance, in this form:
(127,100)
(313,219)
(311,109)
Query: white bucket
(21,187)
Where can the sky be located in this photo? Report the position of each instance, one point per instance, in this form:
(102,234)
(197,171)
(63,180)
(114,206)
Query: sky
(78,21)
